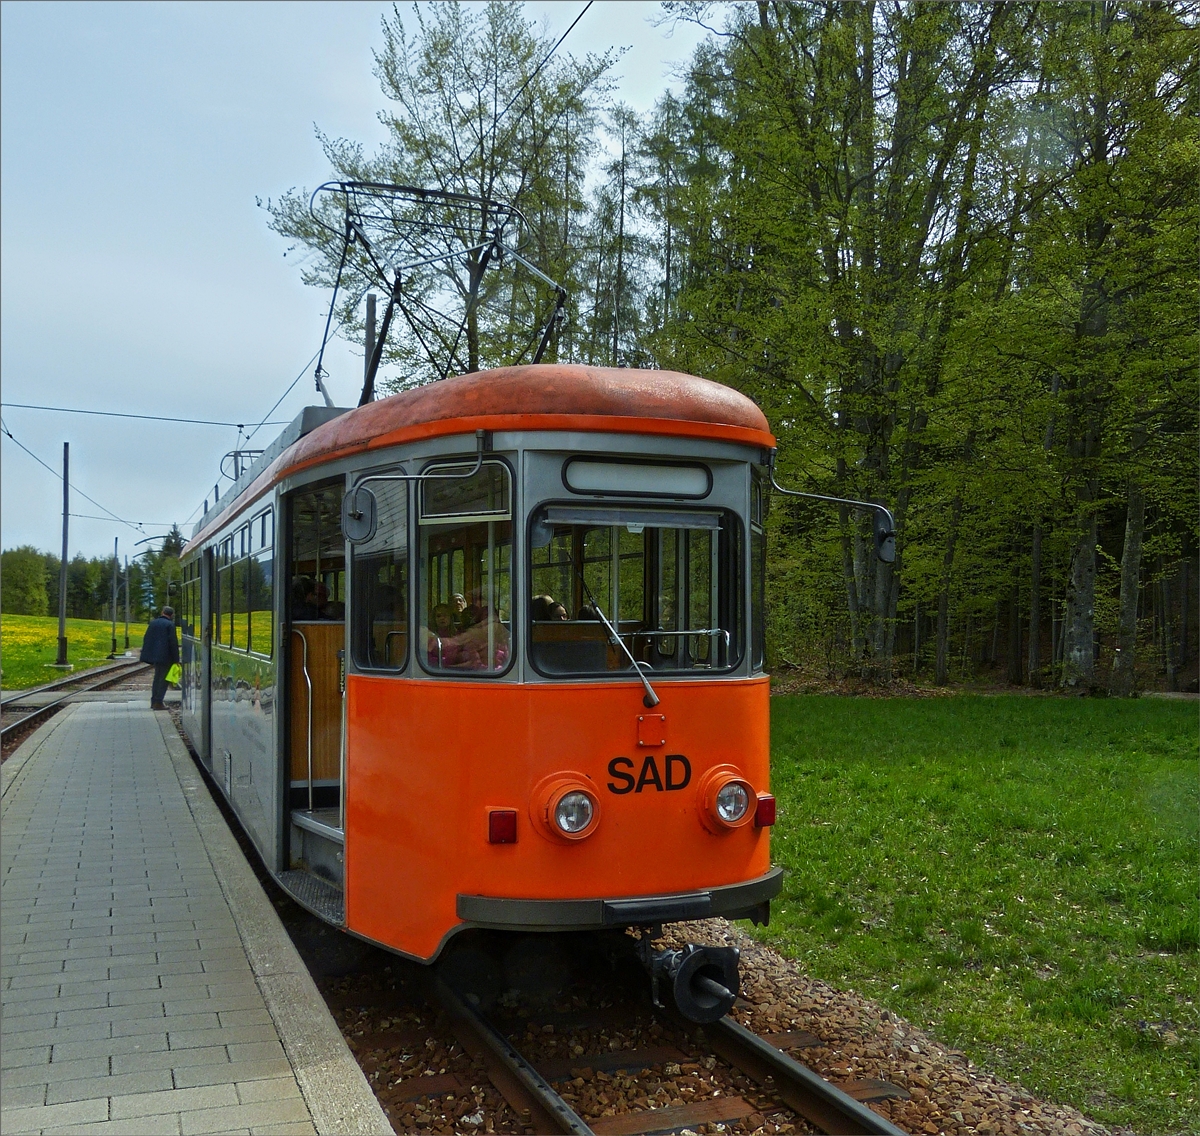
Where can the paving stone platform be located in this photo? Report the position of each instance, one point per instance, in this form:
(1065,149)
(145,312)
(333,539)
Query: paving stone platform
(146,983)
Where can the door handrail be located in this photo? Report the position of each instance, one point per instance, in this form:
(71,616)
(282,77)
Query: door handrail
(308,683)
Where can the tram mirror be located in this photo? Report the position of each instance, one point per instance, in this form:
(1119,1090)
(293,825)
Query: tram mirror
(885,537)
(360,516)
(541,533)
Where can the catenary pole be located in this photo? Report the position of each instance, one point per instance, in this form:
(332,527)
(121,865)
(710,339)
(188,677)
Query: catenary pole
(370,343)
(116,562)
(61,661)
(127,604)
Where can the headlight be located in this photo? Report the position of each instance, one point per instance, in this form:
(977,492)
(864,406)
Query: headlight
(732,802)
(725,799)
(574,812)
(565,808)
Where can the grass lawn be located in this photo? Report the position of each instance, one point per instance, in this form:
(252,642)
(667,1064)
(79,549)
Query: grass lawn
(1018,875)
(29,642)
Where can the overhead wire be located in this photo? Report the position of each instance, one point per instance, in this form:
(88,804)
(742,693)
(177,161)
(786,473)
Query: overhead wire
(94,517)
(137,526)
(119,414)
(537,70)
(303,370)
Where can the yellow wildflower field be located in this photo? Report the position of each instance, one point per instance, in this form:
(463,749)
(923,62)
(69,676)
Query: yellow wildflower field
(29,644)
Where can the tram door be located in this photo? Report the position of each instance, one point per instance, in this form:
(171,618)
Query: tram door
(316,682)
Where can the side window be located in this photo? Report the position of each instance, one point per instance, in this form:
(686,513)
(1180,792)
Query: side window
(380,582)
(191,609)
(260,592)
(316,589)
(465,568)
(239,610)
(224,592)
(181,608)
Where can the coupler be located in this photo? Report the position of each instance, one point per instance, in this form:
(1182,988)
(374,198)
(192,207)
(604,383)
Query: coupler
(703,981)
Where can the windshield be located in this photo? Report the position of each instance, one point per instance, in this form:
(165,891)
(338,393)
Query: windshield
(669,582)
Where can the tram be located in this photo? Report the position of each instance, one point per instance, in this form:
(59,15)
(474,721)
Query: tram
(488,654)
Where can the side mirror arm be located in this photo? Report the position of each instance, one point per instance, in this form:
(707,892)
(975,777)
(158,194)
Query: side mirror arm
(359,513)
(885,524)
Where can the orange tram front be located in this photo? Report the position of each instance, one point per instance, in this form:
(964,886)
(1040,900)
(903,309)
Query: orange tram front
(489,654)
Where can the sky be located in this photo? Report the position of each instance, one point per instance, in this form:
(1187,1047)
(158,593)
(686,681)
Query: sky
(137,272)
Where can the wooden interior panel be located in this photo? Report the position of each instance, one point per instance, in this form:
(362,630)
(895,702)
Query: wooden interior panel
(325,639)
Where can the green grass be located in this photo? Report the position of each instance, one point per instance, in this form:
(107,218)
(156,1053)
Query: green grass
(29,642)
(1018,875)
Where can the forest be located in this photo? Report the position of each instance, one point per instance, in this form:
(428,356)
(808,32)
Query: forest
(29,582)
(949,249)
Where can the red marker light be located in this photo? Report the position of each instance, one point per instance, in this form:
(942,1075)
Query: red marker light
(502,826)
(764,815)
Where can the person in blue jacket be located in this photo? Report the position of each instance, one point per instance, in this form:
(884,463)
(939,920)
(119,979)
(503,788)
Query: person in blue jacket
(160,647)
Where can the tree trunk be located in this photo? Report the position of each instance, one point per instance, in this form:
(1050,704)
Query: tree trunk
(1185,613)
(1079,658)
(1014,632)
(942,666)
(916,636)
(856,642)
(1035,613)
(1168,630)
(1122,682)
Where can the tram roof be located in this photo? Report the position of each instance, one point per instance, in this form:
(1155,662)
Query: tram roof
(533,397)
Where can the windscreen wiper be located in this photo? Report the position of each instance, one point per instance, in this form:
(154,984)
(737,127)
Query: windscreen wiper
(651,699)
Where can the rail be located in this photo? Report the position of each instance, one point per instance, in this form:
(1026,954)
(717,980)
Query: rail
(519,1082)
(802,1090)
(109,676)
(18,696)
(307,683)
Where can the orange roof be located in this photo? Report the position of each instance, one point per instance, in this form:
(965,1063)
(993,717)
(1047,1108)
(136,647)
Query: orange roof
(535,397)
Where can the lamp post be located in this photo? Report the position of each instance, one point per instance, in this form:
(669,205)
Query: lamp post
(127,605)
(61,659)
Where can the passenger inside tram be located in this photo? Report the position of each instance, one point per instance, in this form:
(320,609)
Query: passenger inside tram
(546,608)
(480,644)
(443,647)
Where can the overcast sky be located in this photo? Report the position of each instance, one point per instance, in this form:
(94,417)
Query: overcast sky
(137,273)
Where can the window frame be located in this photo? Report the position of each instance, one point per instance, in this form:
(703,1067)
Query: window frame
(757,526)
(448,520)
(357,634)
(728,565)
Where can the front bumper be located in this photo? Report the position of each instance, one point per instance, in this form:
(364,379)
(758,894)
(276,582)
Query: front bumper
(748,900)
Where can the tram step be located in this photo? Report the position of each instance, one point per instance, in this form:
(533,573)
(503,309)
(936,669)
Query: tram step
(317,895)
(317,845)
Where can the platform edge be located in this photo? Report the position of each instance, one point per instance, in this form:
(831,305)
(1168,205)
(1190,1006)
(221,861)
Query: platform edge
(12,769)
(338,1096)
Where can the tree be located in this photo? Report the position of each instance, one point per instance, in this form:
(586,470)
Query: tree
(1112,254)
(23,582)
(476,109)
(843,244)
(951,251)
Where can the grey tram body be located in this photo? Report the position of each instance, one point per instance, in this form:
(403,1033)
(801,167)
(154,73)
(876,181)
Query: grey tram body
(235,701)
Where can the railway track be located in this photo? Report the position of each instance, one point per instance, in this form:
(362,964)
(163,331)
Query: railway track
(529,1087)
(68,687)
(575,1045)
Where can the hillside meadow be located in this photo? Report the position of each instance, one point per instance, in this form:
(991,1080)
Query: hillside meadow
(29,646)
(1019,875)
